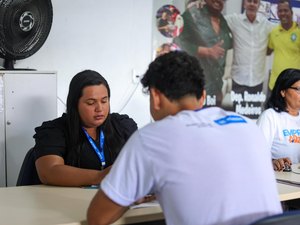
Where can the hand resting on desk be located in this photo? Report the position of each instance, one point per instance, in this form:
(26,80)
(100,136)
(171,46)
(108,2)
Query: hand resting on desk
(281,164)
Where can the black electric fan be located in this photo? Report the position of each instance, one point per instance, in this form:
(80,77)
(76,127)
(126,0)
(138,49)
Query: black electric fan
(24,28)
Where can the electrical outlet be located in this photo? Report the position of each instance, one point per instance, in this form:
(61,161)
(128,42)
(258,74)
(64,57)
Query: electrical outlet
(135,77)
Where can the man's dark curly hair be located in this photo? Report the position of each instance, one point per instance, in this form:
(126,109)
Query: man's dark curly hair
(175,74)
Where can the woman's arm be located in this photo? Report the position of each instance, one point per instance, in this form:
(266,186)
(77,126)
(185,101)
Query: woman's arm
(53,171)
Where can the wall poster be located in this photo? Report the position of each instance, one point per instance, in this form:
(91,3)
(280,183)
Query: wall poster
(186,25)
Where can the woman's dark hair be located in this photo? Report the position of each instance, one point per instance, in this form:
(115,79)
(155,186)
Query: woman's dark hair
(284,81)
(77,84)
(175,74)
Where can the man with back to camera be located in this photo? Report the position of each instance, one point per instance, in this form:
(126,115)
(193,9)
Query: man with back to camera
(250,32)
(284,40)
(190,158)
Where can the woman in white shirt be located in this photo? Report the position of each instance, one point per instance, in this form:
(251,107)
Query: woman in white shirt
(280,122)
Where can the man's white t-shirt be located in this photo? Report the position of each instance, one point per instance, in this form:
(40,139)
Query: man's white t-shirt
(282,132)
(205,167)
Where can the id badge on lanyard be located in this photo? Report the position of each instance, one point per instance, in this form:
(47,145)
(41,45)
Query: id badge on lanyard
(98,151)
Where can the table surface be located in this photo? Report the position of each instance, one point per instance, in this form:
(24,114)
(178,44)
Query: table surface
(288,192)
(288,185)
(49,205)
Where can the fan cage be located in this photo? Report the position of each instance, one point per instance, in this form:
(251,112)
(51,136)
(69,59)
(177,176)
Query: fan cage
(16,42)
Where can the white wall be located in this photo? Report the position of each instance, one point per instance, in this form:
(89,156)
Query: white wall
(233,6)
(111,37)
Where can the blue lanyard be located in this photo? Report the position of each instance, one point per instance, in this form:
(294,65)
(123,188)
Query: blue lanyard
(100,153)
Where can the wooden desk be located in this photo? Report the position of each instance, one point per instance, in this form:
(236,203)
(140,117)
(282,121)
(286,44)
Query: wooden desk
(48,205)
(288,192)
(288,185)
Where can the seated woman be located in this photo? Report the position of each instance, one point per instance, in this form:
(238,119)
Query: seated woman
(78,148)
(280,122)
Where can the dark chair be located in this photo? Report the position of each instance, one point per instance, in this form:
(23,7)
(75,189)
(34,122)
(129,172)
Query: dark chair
(285,218)
(28,174)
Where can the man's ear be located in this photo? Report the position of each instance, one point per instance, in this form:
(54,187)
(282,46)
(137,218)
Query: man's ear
(202,99)
(155,98)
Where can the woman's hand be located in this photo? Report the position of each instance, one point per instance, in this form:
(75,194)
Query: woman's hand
(279,164)
(102,174)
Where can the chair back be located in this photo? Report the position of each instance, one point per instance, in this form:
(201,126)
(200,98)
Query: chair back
(285,218)
(28,174)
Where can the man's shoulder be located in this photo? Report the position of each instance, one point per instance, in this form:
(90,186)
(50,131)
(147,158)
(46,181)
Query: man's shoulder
(233,17)
(235,20)
(295,27)
(224,117)
(276,28)
(263,20)
(220,117)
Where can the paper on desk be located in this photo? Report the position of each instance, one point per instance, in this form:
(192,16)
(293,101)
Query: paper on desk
(144,205)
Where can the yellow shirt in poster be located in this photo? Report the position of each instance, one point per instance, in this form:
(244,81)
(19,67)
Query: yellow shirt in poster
(286,46)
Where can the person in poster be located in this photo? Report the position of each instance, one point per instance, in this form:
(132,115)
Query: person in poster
(284,41)
(207,36)
(163,25)
(250,32)
(169,21)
